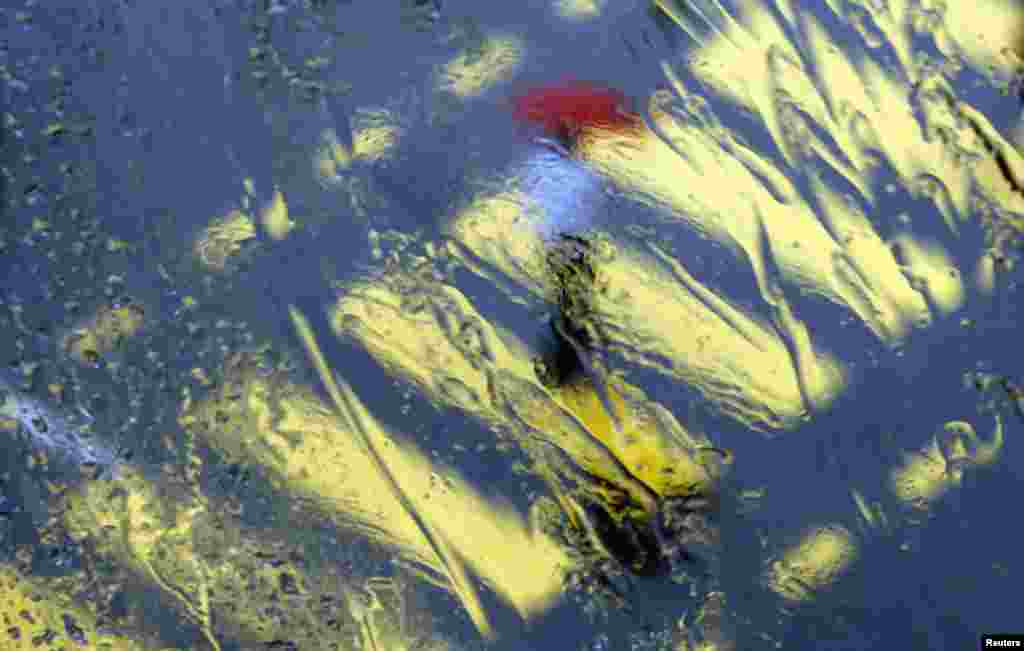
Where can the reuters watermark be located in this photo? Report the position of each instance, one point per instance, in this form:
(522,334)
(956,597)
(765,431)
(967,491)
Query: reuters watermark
(1002,641)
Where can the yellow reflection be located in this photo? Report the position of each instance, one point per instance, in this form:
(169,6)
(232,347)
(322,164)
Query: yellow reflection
(274,217)
(810,566)
(223,239)
(654,313)
(373,439)
(929,473)
(833,110)
(501,232)
(374,141)
(145,526)
(647,443)
(981,32)
(104,332)
(482,65)
(380,610)
(576,10)
(931,272)
(375,134)
(330,158)
(33,614)
(604,445)
(431,335)
(314,451)
(761,219)
(127,520)
(841,117)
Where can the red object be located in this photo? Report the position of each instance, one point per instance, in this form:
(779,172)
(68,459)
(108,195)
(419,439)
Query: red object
(565,110)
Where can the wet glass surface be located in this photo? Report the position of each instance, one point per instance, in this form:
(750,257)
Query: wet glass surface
(665,325)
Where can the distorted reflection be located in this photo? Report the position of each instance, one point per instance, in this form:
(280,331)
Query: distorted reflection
(626,285)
